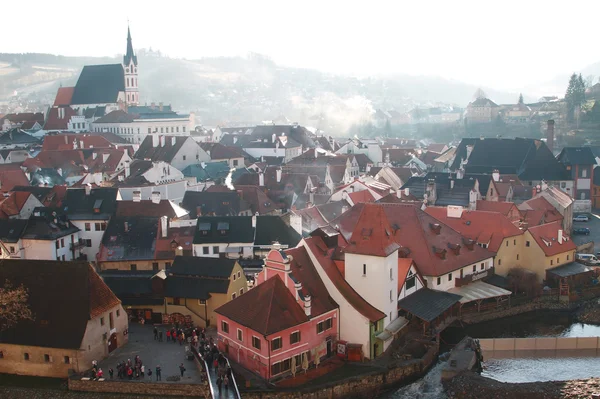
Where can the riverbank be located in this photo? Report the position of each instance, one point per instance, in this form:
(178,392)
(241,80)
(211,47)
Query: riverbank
(589,312)
(470,385)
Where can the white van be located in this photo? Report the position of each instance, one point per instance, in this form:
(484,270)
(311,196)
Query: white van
(588,259)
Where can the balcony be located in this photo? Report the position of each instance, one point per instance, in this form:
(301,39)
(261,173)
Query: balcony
(75,246)
(462,281)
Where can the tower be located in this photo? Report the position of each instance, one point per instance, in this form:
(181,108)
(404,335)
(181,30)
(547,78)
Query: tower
(130,68)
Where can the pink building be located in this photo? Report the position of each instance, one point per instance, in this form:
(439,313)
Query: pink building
(286,317)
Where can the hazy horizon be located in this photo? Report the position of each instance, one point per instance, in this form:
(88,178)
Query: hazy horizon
(513,46)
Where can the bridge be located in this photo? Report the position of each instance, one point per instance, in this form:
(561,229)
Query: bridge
(231,393)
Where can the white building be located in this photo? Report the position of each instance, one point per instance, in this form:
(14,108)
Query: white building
(50,236)
(179,151)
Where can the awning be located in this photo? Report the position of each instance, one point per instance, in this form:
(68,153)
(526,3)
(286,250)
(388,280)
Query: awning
(427,304)
(477,291)
(392,328)
(384,335)
(570,269)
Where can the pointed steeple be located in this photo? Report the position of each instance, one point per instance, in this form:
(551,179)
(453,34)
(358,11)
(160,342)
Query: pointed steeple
(129,55)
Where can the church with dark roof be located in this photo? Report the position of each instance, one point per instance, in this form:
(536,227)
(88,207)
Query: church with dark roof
(111,85)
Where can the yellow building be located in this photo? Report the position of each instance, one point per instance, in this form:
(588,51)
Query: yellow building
(196,286)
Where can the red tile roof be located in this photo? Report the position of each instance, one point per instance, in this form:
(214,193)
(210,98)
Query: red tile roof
(496,206)
(258,200)
(102,299)
(538,211)
(176,237)
(372,234)
(325,258)
(415,230)
(363,196)
(12,205)
(484,227)
(546,236)
(404,265)
(268,308)
(11,177)
(63,96)
(58,142)
(54,122)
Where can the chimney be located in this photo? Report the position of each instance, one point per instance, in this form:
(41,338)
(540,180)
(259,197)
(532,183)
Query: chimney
(316,153)
(198,211)
(472,200)
(152,105)
(451,184)
(460,173)
(156,197)
(496,175)
(137,196)
(105,157)
(127,170)
(164,226)
(274,137)
(278,172)
(155,140)
(261,179)
(254,220)
(173,141)
(312,197)
(160,107)
(126,227)
(399,193)
(66,139)
(94,155)
(407,191)
(307,305)
(550,135)
(162,141)
(88,189)
(560,236)
(179,251)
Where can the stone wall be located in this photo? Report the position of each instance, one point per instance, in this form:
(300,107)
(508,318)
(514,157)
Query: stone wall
(364,386)
(513,311)
(138,388)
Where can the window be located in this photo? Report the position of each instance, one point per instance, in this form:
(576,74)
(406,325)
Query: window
(149,130)
(256,343)
(507,243)
(25,356)
(364,269)
(276,344)
(162,129)
(47,358)
(88,226)
(474,268)
(216,249)
(499,262)
(557,261)
(411,282)
(155,266)
(177,129)
(391,298)
(102,321)
(233,296)
(241,291)
(12,249)
(225,327)
(551,262)
(527,243)
(57,244)
(235,162)
(184,157)
(439,280)
(97,226)
(449,276)
(63,258)
(563,184)
(111,321)
(583,172)
(324,326)
(88,242)
(66,359)
(205,250)
(240,335)
(483,265)
(295,337)
(183,129)
(514,242)
(239,274)
(133,267)
(567,257)
(391,275)
(118,313)
(234,277)
(201,302)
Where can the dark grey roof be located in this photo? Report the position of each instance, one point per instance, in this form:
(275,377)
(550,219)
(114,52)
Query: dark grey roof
(17,136)
(270,229)
(428,304)
(570,269)
(48,224)
(202,267)
(100,204)
(130,238)
(213,203)
(297,133)
(164,153)
(11,229)
(577,156)
(99,84)
(239,230)
(194,287)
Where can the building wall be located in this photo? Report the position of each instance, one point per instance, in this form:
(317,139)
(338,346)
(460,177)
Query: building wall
(136,131)
(12,250)
(146,264)
(94,234)
(446,281)
(404,292)
(261,360)
(46,249)
(173,191)
(247,250)
(28,207)
(94,345)
(13,361)
(511,255)
(266,152)
(538,262)
(189,154)
(353,326)
(379,286)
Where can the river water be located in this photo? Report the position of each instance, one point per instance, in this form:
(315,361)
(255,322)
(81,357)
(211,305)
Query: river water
(513,370)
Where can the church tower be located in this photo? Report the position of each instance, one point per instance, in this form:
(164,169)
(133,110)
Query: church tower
(130,67)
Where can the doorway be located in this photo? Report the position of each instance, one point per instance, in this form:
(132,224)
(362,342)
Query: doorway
(112,342)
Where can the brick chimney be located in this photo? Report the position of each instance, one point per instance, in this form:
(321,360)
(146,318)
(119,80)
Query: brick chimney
(550,135)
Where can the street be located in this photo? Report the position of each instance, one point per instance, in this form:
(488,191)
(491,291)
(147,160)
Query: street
(594,226)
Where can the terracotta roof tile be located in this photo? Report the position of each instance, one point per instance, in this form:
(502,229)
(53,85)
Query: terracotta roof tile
(102,299)
(546,236)
(63,96)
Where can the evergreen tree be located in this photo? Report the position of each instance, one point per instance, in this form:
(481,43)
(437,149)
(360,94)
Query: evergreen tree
(521,98)
(575,95)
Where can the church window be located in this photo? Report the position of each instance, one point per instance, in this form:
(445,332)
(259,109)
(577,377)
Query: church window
(184,129)
(161,130)
(127,82)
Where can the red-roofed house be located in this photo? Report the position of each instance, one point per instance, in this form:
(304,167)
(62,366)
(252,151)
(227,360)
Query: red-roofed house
(286,317)
(63,96)
(59,142)
(63,118)
(18,205)
(12,175)
(548,246)
(508,209)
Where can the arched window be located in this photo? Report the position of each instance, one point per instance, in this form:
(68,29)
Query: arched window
(127,82)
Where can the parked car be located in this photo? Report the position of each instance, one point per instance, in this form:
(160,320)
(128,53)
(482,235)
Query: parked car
(581,218)
(581,231)
(587,259)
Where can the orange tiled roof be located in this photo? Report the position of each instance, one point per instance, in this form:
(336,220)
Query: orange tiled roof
(546,236)
(102,299)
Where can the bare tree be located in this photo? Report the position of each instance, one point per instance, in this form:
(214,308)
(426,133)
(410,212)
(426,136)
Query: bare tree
(13,305)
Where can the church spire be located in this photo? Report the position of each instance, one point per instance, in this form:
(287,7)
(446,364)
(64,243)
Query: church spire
(129,55)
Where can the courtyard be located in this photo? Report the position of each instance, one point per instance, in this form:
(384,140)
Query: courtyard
(168,355)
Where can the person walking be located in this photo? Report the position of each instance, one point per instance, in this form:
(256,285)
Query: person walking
(130,372)
(150,373)
(111,372)
(155,333)
(219,384)
(160,336)
(181,369)
(142,369)
(226,383)
(168,335)
(100,373)
(158,376)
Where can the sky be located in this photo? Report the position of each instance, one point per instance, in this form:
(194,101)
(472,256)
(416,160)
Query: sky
(504,44)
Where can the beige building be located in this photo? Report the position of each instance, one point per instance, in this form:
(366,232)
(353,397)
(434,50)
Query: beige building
(77,319)
(196,286)
(482,110)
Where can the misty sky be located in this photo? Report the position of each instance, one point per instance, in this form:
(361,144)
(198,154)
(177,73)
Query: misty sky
(503,44)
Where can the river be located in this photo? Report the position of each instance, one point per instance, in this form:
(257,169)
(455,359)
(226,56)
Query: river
(540,324)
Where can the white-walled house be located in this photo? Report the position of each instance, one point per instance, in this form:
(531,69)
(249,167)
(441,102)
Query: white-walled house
(179,151)
(50,236)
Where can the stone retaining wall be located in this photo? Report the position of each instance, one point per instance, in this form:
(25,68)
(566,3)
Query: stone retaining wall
(365,386)
(139,388)
(514,310)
